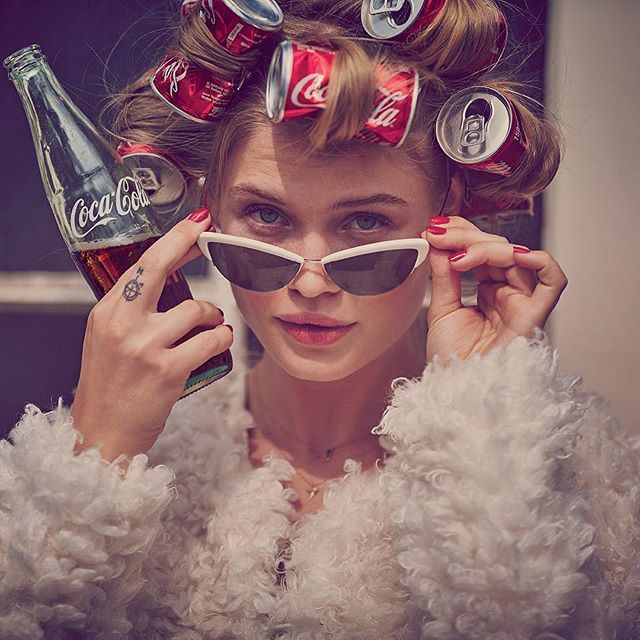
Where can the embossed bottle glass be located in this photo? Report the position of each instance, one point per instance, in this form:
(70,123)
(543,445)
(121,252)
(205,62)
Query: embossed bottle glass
(102,211)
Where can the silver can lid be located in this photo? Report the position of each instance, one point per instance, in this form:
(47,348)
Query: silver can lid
(386,19)
(278,80)
(162,181)
(262,14)
(473,124)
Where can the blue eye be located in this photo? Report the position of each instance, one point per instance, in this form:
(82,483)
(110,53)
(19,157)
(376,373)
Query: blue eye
(266,215)
(370,222)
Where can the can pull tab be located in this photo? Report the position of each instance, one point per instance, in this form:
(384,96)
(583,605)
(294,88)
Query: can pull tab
(385,6)
(475,120)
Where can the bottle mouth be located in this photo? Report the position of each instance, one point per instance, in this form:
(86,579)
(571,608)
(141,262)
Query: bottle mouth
(23,58)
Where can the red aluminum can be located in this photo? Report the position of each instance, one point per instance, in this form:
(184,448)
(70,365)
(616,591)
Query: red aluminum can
(164,183)
(395,106)
(193,92)
(297,86)
(479,128)
(240,25)
(186,7)
(404,19)
(298,80)
(388,19)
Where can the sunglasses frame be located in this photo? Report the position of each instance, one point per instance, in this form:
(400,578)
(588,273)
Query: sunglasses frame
(420,245)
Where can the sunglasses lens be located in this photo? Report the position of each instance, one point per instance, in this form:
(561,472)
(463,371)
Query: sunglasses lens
(373,273)
(252,269)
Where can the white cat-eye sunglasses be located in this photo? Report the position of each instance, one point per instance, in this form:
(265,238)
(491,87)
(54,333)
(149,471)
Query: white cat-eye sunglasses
(366,270)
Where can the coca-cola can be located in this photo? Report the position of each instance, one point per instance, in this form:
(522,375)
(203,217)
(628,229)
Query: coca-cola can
(240,25)
(297,85)
(405,19)
(388,19)
(297,81)
(479,128)
(193,92)
(164,183)
(186,7)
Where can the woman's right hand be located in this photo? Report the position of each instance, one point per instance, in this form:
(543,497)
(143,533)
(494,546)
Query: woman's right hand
(131,375)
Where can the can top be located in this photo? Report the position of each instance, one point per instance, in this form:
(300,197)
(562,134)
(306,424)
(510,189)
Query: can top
(473,124)
(278,80)
(262,14)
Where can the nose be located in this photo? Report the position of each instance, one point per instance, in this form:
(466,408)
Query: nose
(312,280)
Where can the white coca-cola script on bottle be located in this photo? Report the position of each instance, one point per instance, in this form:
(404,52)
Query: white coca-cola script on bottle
(128,197)
(309,91)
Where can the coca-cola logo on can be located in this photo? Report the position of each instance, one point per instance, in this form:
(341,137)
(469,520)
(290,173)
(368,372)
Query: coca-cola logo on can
(299,80)
(128,197)
(192,91)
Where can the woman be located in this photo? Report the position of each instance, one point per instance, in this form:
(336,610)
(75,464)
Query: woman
(383,471)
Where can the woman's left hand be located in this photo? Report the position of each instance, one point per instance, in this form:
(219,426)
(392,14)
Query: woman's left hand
(516,291)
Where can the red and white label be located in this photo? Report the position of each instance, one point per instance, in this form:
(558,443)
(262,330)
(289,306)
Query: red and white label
(394,102)
(192,91)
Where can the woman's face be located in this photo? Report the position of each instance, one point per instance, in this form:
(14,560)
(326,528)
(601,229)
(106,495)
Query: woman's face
(315,207)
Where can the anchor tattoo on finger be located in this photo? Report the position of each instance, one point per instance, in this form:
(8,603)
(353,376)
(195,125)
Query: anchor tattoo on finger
(132,288)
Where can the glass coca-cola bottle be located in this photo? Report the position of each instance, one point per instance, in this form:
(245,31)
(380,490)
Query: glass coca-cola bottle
(102,211)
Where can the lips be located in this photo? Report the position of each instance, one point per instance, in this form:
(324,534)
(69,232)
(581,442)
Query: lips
(313,334)
(316,319)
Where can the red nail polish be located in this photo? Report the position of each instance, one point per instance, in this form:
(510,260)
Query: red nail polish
(200,215)
(439,220)
(457,256)
(436,231)
(229,326)
(520,249)
(212,228)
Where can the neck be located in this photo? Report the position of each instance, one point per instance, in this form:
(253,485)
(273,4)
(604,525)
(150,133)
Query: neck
(306,418)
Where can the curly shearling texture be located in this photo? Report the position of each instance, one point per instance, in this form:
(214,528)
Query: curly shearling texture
(509,509)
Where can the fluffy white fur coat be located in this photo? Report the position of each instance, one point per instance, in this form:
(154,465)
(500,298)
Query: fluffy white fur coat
(508,510)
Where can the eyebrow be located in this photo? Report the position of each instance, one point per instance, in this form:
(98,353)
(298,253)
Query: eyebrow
(378,198)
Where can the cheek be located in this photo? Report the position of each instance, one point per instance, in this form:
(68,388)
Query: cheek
(395,311)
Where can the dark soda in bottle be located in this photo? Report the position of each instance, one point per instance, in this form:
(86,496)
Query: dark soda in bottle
(102,211)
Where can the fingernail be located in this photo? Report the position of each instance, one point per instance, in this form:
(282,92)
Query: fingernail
(230,327)
(221,312)
(436,231)
(200,215)
(439,219)
(212,228)
(457,256)
(520,249)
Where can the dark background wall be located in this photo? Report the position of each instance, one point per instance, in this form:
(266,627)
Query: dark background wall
(94,48)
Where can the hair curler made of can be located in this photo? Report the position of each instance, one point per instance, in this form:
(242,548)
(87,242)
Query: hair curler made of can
(240,25)
(193,92)
(186,7)
(479,128)
(405,19)
(297,86)
(164,183)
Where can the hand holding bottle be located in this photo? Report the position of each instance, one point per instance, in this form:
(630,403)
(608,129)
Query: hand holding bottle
(135,362)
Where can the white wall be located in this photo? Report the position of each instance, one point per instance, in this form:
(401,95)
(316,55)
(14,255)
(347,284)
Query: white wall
(592,209)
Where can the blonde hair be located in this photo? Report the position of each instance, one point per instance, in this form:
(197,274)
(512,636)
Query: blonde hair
(445,54)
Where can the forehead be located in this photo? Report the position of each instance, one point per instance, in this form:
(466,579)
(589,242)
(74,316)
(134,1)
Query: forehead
(273,158)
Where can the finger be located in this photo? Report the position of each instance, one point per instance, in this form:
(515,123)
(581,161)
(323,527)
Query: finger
(494,261)
(196,350)
(172,325)
(459,230)
(191,255)
(446,290)
(162,258)
(552,280)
